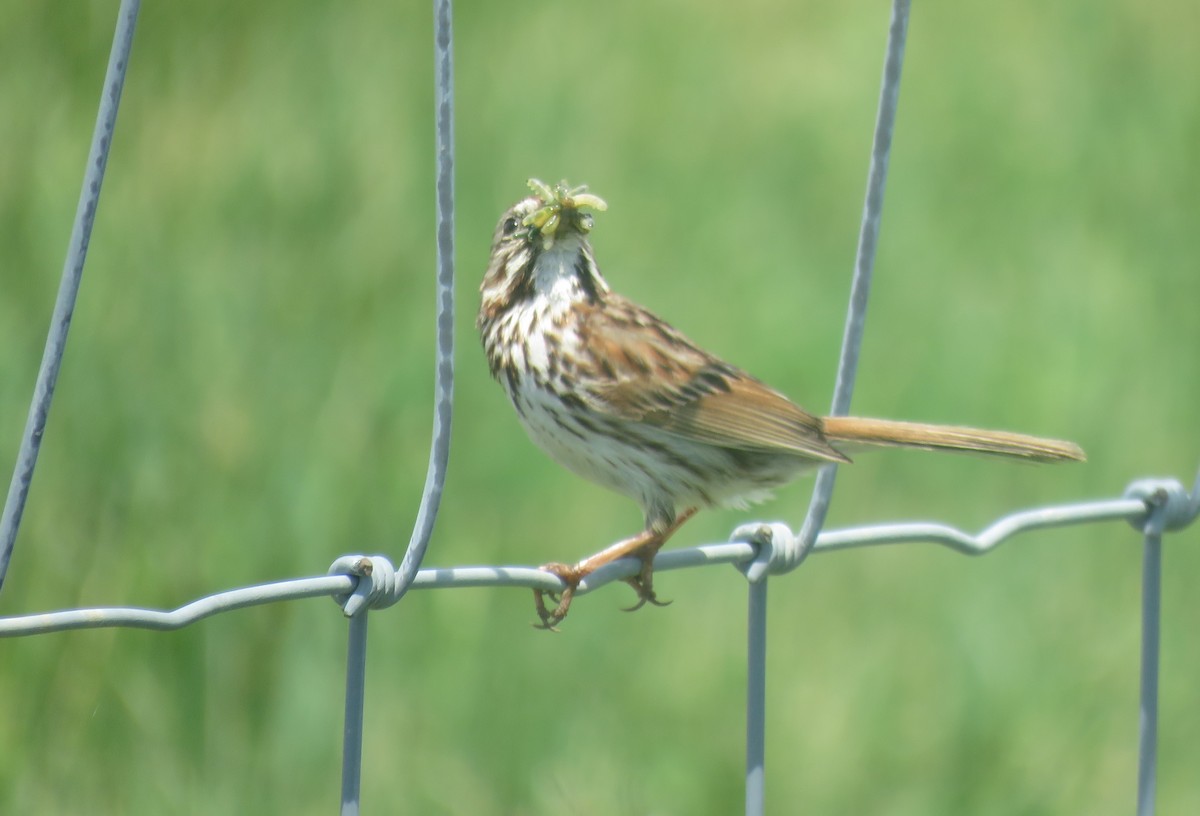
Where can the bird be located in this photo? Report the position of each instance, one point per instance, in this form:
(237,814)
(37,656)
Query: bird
(615,394)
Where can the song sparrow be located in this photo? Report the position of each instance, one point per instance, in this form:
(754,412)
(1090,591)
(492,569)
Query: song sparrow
(618,396)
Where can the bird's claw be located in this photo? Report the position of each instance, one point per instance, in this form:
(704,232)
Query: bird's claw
(550,618)
(643,598)
(643,585)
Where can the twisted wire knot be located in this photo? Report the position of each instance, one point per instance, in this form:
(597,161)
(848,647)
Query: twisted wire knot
(1168,505)
(779,549)
(377,587)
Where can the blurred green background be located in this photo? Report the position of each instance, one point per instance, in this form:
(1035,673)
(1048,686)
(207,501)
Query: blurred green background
(247,393)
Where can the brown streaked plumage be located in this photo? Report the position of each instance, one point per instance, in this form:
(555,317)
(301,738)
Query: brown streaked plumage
(618,396)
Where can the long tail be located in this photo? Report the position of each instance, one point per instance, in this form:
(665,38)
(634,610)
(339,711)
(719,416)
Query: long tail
(951,438)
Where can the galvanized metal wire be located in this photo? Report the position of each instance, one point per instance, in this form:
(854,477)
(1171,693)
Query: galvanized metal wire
(1173,498)
(443,406)
(390,587)
(360,583)
(1169,509)
(68,288)
(783,551)
(1148,696)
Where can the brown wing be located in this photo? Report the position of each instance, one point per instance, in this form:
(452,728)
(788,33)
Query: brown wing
(649,372)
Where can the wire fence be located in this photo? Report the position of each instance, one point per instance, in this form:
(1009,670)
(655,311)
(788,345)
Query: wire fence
(361,583)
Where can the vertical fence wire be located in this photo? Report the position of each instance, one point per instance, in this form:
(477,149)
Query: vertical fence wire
(856,316)
(352,728)
(68,289)
(864,262)
(1148,708)
(443,408)
(756,698)
(439,452)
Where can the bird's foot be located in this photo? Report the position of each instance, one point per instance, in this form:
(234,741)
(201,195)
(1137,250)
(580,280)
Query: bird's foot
(643,583)
(551,618)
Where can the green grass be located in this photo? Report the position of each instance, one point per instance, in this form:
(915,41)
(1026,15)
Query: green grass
(247,389)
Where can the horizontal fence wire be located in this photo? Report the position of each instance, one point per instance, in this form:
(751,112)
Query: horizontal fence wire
(1132,509)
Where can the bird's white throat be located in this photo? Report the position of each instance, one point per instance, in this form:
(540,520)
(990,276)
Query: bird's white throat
(554,274)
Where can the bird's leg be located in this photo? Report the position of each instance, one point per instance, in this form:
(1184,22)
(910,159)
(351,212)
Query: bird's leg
(645,545)
(643,582)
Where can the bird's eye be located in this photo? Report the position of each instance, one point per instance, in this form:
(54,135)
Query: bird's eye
(509,226)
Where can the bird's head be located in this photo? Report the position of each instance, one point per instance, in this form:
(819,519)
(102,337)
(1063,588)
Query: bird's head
(540,247)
